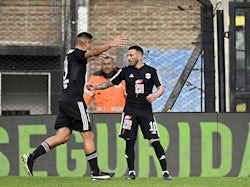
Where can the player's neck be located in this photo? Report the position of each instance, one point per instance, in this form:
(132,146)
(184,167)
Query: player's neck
(81,47)
(139,65)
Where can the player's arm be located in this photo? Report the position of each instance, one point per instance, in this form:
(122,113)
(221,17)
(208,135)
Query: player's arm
(160,91)
(88,96)
(102,48)
(99,86)
(152,97)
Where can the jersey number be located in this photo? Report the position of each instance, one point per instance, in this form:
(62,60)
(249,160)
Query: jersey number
(65,80)
(153,127)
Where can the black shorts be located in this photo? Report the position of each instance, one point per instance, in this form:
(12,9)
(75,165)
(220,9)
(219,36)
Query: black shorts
(74,115)
(130,123)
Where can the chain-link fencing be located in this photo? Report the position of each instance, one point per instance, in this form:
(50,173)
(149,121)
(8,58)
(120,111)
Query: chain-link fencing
(35,35)
(168,31)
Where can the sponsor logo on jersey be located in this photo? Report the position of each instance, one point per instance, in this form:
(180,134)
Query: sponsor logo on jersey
(131,76)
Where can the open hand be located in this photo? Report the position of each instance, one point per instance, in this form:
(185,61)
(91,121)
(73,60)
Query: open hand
(152,97)
(120,41)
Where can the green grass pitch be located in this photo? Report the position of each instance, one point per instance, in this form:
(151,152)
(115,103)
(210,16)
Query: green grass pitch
(16,181)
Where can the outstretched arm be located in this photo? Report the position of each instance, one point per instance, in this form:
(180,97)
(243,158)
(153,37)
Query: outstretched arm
(102,48)
(152,97)
(99,86)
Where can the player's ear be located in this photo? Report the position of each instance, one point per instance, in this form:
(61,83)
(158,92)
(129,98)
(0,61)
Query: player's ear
(140,56)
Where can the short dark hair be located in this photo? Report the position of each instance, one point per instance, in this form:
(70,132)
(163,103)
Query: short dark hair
(109,57)
(84,35)
(137,48)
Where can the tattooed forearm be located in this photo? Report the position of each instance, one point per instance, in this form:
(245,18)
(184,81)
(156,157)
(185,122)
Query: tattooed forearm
(103,85)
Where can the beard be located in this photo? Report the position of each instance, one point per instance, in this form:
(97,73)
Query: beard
(133,63)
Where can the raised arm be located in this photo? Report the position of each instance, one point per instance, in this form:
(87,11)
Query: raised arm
(102,48)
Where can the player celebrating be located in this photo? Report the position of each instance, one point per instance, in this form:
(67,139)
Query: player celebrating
(110,100)
(139,80)
(72,108)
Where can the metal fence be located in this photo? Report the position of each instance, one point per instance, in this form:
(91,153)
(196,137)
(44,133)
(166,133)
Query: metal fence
(167,30)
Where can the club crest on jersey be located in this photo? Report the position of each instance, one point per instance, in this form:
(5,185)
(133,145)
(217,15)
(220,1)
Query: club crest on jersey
(148,75)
